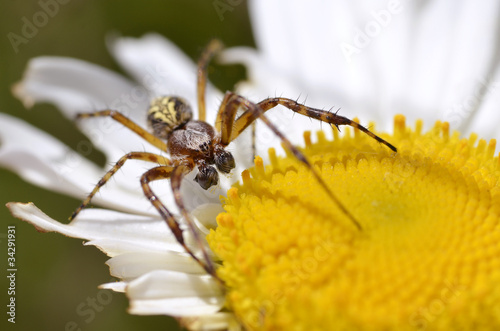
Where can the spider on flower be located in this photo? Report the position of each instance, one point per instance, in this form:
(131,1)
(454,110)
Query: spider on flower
(197,144)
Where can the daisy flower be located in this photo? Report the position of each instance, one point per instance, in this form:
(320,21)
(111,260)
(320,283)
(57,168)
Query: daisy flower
(427,255)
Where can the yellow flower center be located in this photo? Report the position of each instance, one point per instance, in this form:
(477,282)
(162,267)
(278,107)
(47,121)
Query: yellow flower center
(427,257)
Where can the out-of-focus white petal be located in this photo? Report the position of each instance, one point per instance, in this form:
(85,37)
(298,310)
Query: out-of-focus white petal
(302,41)
(174,293)
(115,286)
(475,51)
(134,264)
(76,86)
(308,53)
(264,79)
(262,76)
(163,68)
(448,63)
(402,63)
(205,216)
(40,159)
(311,68)
(485,121)
(218,321)
(72,85)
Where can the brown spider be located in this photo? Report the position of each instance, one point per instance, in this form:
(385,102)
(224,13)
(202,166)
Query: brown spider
(196,144)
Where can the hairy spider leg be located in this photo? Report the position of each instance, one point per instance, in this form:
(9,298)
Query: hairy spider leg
(144,156)
(254,146)
(164,171)
(175,181)
(226,115)
(175,174)
(131,125)
(231,103)
(249,116)
(213,48)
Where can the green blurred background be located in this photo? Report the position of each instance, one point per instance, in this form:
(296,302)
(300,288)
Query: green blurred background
(56,275)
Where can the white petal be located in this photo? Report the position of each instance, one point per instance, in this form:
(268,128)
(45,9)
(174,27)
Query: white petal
(406,66)
(42,160)
(270,25)
(485,121)
(316,67)
(76,86)
(449,62)
(174,293)
(195,196)
(97,224)
(205,216)
(474,51)
(377,76)
(143,231)
(264,79)
(218,321)
(115,286)
(132,265)
(190,306)
(115,246)
(163,68)
(307,53)
(161,284)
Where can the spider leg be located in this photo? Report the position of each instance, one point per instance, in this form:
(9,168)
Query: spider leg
(225,121)
(144,156)
(225,116)
(175,174)
(128,123)
(227,113)
(249,117)
(254,147)
(213,47)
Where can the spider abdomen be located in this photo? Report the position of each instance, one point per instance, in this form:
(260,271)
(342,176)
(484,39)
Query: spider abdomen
(167,114)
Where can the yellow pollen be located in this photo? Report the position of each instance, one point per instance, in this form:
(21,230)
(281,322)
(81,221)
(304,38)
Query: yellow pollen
(427,258)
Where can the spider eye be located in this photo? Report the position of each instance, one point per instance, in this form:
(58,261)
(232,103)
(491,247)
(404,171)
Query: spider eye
(206,177)
(224,161)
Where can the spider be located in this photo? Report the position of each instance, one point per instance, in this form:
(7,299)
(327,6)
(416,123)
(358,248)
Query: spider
(196,144)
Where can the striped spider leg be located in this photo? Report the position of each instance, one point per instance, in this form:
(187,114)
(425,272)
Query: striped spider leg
(173,169)
(230,128)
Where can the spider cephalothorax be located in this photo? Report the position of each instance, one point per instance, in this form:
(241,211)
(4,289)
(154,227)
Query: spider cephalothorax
(196,144)
(188,140)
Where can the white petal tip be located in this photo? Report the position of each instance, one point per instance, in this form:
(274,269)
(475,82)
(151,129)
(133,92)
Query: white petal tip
(115,286)
(19,92)
(28,212)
